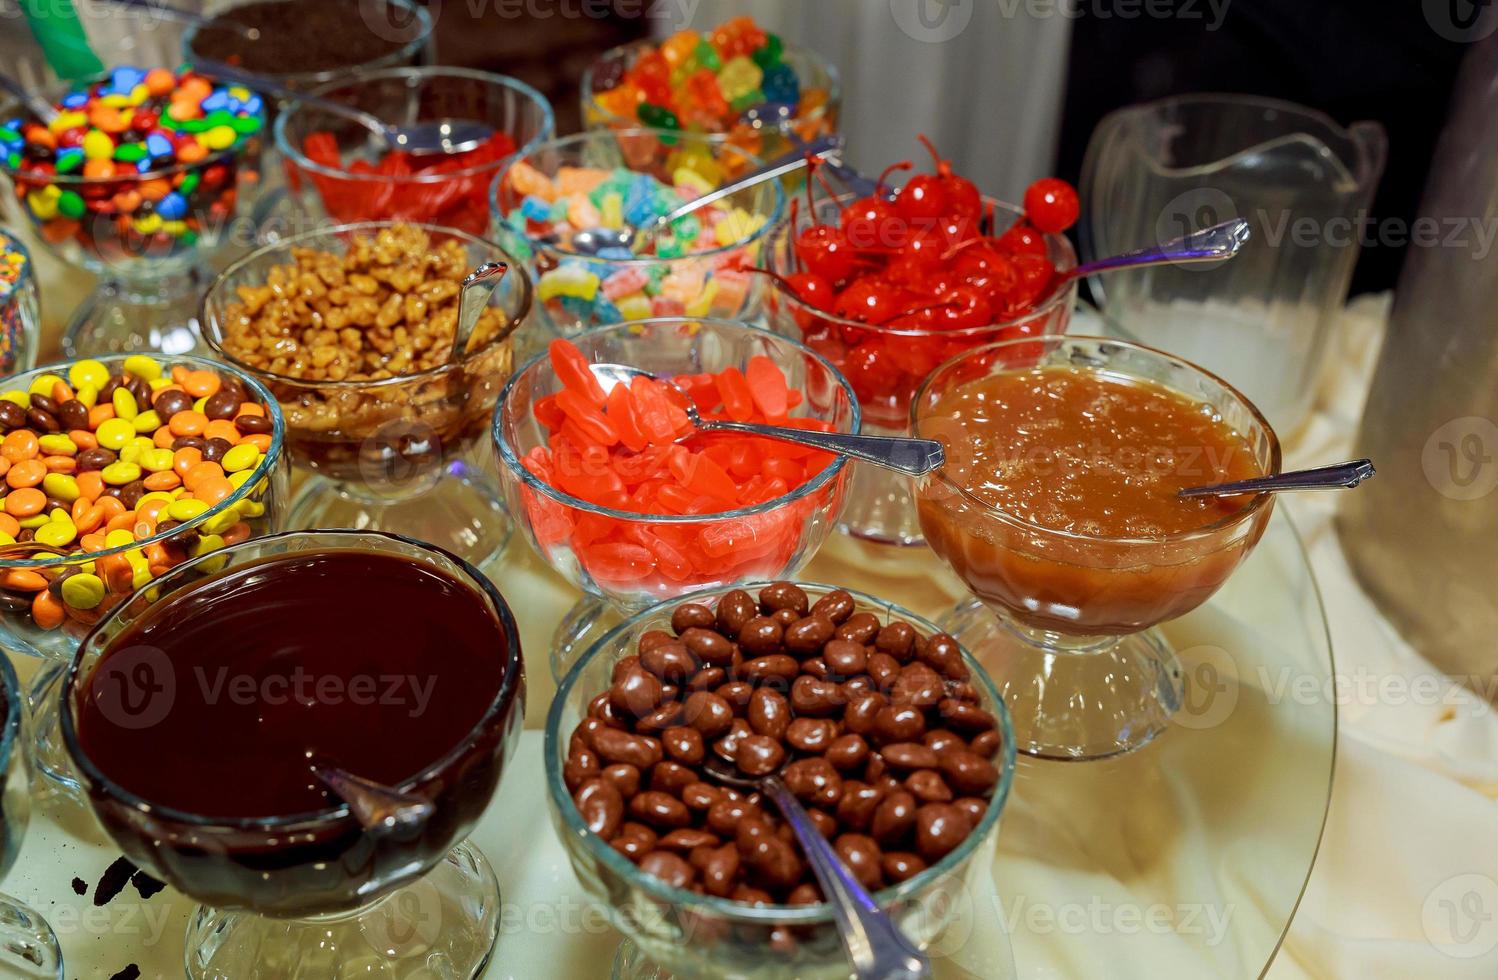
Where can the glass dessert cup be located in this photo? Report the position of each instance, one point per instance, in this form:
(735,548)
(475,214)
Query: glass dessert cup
(150,270)
(764,138)
(686,934)
(258,503)
(28,948)
(319,893)
(768,541)
(20,307)
(388,454)
(1065,621)
(880,508)
(402,21)
(709,282)
(457,199)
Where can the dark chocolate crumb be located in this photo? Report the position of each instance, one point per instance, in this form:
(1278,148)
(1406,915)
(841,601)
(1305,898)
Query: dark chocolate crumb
(113,881)
(131,972)
(145,884)
(80,887)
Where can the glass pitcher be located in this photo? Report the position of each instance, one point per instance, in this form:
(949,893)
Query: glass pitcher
(1156,171)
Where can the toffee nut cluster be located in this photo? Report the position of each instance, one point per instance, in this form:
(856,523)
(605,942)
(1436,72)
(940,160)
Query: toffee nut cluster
(386,307)
(874,727)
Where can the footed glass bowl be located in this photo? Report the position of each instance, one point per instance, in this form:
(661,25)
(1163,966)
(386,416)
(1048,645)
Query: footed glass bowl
(690,935)
(624,560)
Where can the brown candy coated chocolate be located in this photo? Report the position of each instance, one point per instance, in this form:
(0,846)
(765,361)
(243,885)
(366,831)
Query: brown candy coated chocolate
(784,595)
(734,610)
(692,614)
(939,827)
(601,806)
(673,869)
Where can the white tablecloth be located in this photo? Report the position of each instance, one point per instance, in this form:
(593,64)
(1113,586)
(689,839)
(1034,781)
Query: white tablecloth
(1406,884)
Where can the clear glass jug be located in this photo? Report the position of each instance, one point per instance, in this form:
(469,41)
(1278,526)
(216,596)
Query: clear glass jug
(1156,171)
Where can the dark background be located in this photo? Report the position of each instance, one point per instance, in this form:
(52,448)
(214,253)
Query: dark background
(1352,59)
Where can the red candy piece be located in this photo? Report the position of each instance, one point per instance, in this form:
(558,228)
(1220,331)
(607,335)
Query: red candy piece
(453,190)
(633,449)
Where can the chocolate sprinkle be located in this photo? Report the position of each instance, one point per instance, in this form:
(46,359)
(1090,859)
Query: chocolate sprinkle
(145,884)
(113,882)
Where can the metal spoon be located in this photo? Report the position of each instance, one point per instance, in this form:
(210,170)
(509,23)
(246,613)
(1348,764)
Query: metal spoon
(376,806)
(1339,476)
(35,104)
(589,241)
(473,296)
(428,137)
(877,947)
(150,8)
(914,457)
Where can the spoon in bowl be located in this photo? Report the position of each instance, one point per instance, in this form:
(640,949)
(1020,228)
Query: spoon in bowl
(427,137)
(876,946)
(377,807)
(589,241)
(913,457)
(473,296)
(1338,476)
(35,104)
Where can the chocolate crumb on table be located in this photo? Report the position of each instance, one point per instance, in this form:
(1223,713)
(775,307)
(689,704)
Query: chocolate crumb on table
(145,885)
(113,881)
(80,887)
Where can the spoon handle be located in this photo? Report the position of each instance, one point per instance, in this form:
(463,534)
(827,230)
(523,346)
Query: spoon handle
(378,808)
(1221,241)
(473,296)
(914,457)
(35,104)
(1339,476)
(779,167)
(877,947)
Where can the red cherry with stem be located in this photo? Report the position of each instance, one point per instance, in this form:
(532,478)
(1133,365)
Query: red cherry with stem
(968,307)
(923,200)
(1021,239)
(826,252)
(808,287)
(919,317)
(869,300)
(1034,276)
(866,219)
(870,370)
(962,194)
(925,248)
(1051,205)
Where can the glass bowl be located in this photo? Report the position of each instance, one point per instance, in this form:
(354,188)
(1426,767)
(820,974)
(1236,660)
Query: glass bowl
(146,234)
(387,453)
(578,291)
(20,307)
(606,106)
(690,934)
(885,365)
(28,948)
(406,27)
(319,887)
(332,163)
(1082,667)
(697,551)
(253,508)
